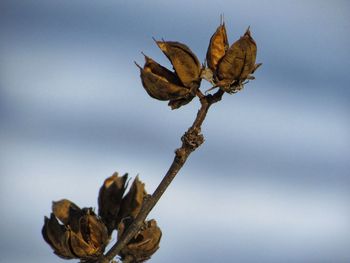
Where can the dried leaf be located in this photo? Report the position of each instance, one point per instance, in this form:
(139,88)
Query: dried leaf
(184,61)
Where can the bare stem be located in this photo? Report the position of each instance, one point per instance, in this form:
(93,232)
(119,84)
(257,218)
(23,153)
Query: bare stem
(191,140)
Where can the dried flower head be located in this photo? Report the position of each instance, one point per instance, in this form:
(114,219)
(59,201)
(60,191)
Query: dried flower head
(81,235)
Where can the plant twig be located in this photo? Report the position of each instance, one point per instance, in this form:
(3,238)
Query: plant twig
(191,140)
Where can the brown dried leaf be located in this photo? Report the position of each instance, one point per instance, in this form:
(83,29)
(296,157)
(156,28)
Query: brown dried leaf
(217,47)
(184,61)
(109,199)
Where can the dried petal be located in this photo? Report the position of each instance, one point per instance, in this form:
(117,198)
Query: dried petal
(217,47)
(184,61)
(144,244)
(109,199)
(132,202)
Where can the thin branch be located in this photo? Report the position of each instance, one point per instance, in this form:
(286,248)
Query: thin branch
(191,140)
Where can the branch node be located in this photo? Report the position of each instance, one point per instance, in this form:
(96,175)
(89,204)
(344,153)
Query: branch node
(192,139)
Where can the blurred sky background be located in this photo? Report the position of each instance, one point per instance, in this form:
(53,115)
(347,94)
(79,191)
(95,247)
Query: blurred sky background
(271,182)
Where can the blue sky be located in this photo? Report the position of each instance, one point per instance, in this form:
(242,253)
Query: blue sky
(271,182)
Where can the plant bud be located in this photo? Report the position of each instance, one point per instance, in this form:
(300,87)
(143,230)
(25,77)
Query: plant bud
(109,200)
(218,46)
(83,235)
(184,61)
(144,244)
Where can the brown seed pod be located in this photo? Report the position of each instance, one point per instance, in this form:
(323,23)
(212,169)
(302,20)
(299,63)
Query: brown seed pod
(132,201)
(83,235)
(161,71)
(57,237)
(239,60)
(217,47)
(110,198)
(63,210)
(144,244)
(250,47)
(177,103)
(184,61)
(159,87)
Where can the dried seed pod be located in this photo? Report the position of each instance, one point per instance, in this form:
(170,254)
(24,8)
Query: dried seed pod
(239,60)
(57,237)
(161,71)
(83,235)
(250,47)
(160,86)
(217,48)
(62,209)
(91,239)
(144,244)
(177,103)
(109,200)
(132,202)
(184,61)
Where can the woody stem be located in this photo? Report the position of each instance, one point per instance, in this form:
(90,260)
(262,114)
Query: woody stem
(191,140)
